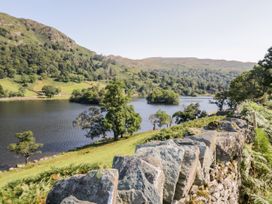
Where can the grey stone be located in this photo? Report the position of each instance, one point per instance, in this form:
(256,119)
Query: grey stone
(139,181)
(189,168)
(170,156)
(229,145)
(98,186)
(242,124)
(206,157)
(74,200)
(208,137)
(229,126)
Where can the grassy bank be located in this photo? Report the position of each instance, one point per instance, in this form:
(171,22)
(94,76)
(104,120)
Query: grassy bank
(33,89)
(31,184)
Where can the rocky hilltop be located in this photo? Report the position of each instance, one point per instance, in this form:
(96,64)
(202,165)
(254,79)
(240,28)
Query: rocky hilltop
(202,168)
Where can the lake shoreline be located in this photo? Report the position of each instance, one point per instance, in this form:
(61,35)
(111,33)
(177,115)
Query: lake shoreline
(39,98)
(33,98)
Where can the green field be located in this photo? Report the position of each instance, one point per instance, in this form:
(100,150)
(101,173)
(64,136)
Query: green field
(33,89)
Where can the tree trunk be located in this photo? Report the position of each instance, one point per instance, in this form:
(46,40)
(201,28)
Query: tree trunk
(115,136)
(26,159)
(154,126)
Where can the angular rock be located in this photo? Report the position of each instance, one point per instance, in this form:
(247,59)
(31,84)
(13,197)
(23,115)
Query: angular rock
(229,145)
(229,126)
(206,157)
(170,157)
(189,168)
(139,181)
(74,200)
(242,124)
(209,138)
(97,186)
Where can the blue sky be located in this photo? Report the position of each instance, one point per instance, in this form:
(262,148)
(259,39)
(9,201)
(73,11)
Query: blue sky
(218,29)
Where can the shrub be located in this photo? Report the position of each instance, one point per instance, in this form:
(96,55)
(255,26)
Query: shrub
(179,131)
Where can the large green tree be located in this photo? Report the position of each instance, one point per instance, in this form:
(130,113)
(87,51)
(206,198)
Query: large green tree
(93,122)
(26,146)
(160,118)
(120,118)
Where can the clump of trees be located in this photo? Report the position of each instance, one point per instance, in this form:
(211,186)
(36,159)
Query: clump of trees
(190,112)
(114,114)
(162,96)
(255,85)
(26,146)
(50,91)
(159,119)
(92,96)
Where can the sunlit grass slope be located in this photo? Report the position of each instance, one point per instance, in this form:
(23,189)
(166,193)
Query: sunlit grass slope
(33,89)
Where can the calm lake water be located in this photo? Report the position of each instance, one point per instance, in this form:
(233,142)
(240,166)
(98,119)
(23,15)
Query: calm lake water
(51,122)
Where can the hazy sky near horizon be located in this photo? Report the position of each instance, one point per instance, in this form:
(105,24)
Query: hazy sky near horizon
(217,29)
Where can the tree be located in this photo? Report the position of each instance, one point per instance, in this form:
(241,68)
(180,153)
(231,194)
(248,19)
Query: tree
(26,146)
(93,122)
(221,99)
(133,120)
(191,112)
(120,118)
(49,91)
(160,118)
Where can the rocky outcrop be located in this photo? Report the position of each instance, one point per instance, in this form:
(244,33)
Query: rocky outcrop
(203,168)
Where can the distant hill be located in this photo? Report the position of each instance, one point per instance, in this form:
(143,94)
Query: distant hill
(184,63)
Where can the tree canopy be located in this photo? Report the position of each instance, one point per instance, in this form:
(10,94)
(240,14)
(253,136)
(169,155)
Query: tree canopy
(50,91)
(161,96)
(114,115)
(26,146)
(160,118)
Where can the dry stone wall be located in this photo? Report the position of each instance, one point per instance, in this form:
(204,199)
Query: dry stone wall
(202,168)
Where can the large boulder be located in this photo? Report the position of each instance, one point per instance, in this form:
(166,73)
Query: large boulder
(97,186)
(170,156)
(229,145)
(139,181)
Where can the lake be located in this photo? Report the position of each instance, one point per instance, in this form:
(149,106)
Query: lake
(51,122)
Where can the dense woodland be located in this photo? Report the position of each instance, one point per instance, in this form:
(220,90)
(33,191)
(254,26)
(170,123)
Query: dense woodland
(30,50)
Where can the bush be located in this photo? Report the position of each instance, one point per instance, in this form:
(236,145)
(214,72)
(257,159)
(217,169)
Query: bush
(49,91)
(179,131)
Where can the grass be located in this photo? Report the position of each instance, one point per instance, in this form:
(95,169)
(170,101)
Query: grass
(33,89)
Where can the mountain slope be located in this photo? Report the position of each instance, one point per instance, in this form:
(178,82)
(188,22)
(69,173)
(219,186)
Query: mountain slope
(28,47)
(184,63)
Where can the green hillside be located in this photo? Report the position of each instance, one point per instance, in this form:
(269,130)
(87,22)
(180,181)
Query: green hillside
(29,49)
